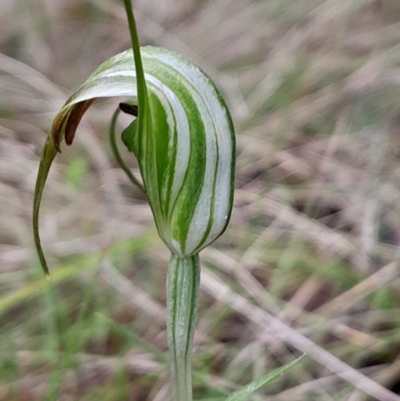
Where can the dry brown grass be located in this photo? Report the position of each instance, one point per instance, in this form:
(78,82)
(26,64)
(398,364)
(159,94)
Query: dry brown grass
(309,262)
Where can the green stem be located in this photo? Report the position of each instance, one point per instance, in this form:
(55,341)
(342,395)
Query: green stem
(141,82)
(182,301)
(117,155)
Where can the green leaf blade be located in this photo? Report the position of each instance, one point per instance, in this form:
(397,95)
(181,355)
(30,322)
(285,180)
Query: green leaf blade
(250,388)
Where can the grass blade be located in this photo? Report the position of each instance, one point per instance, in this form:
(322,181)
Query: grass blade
(242,393)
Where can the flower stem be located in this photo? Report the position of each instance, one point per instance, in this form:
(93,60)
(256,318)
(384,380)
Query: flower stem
(182,301)
(141,83)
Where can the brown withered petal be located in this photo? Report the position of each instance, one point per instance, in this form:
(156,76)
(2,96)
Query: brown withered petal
(66,123)
(74,119)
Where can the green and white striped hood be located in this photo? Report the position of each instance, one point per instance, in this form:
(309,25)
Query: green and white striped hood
(185,145)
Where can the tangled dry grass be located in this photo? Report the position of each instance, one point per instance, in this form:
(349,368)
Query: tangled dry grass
(309,263)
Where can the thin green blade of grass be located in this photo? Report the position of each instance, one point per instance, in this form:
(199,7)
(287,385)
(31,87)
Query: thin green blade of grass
(245,391)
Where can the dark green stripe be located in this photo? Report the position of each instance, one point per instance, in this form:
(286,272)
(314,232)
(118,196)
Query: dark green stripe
(165,156)
(212,209)
(188,197)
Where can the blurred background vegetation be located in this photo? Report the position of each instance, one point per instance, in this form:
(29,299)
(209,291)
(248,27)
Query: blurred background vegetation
(314,90)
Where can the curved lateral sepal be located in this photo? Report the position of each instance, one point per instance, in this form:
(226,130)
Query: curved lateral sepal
(48,155)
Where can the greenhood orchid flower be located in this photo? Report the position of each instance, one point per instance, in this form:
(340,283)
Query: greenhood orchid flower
(185,145)
(184,142)
(186,156)
(183,139)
